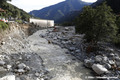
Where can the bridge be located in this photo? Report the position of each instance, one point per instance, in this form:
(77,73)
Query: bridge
(42,22)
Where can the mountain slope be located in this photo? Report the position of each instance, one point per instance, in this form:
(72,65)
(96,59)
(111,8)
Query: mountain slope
(13,11)
(59,10)
(114,4)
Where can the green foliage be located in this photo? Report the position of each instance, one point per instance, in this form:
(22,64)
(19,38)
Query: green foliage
(4,0)
(118,23)
(115,5)
(3,25)
(97,24)
(116,40)
(19,21)
(13,11)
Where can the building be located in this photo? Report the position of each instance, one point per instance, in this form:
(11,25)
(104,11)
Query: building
(42,22)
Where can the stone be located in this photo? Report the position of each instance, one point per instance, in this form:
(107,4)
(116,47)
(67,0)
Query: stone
(88,63)
(72,48)
(110,49)
(27,68)
(111,55)
(41,35)
(111,62)
(98,58)
(9,67)
(42,79)
(17,78)
(63,42)
(108,66)
(2,63)
(118,64)
(99,69)
(37,74)
(21,66)
(20,71)
(66,28)
(2,43)
(8,77)
(105,59)
(9,38)
(116,57)
(55,38)
(77,51)
(37,79)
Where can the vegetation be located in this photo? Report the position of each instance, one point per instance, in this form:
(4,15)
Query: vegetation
(13,11)
(97,24)
(55,12)
(3,25)
(115,5)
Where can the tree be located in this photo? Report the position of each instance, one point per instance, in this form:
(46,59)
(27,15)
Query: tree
(97,24)
(4,0)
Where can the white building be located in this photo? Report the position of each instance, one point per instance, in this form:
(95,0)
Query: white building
(42,23)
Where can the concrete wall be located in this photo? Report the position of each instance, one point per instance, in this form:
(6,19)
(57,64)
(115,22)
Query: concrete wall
(42,23)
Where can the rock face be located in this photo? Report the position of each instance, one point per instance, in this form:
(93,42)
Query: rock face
(99,69)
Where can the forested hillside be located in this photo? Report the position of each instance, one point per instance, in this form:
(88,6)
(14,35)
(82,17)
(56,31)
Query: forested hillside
(59,10)
(13,11)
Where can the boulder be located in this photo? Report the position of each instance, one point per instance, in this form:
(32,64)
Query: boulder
(110,49)
(2,43)
(37,74)
(66,28)
(98,58)
(88,63)
(2,63)
(77,51)
(9,67)
(112,55)
(116,57)
(108,66)
(118,64)
(72,48)
(21,66)
(111,62)
(105,59)
(99,69)
(8,77)
(20,71)
(55,38)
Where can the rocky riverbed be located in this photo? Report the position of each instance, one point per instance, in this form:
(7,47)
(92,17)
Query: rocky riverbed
(55,54)
(105,62)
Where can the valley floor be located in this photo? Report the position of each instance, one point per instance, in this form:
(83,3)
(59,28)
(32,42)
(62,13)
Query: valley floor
(54,54)
(37,58)
(61,66)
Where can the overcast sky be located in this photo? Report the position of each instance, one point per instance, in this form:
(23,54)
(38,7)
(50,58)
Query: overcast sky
(29,5)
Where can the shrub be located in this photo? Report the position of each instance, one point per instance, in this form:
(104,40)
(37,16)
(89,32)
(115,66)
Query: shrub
(3,25)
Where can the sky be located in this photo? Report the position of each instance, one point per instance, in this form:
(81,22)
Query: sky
(29,5)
